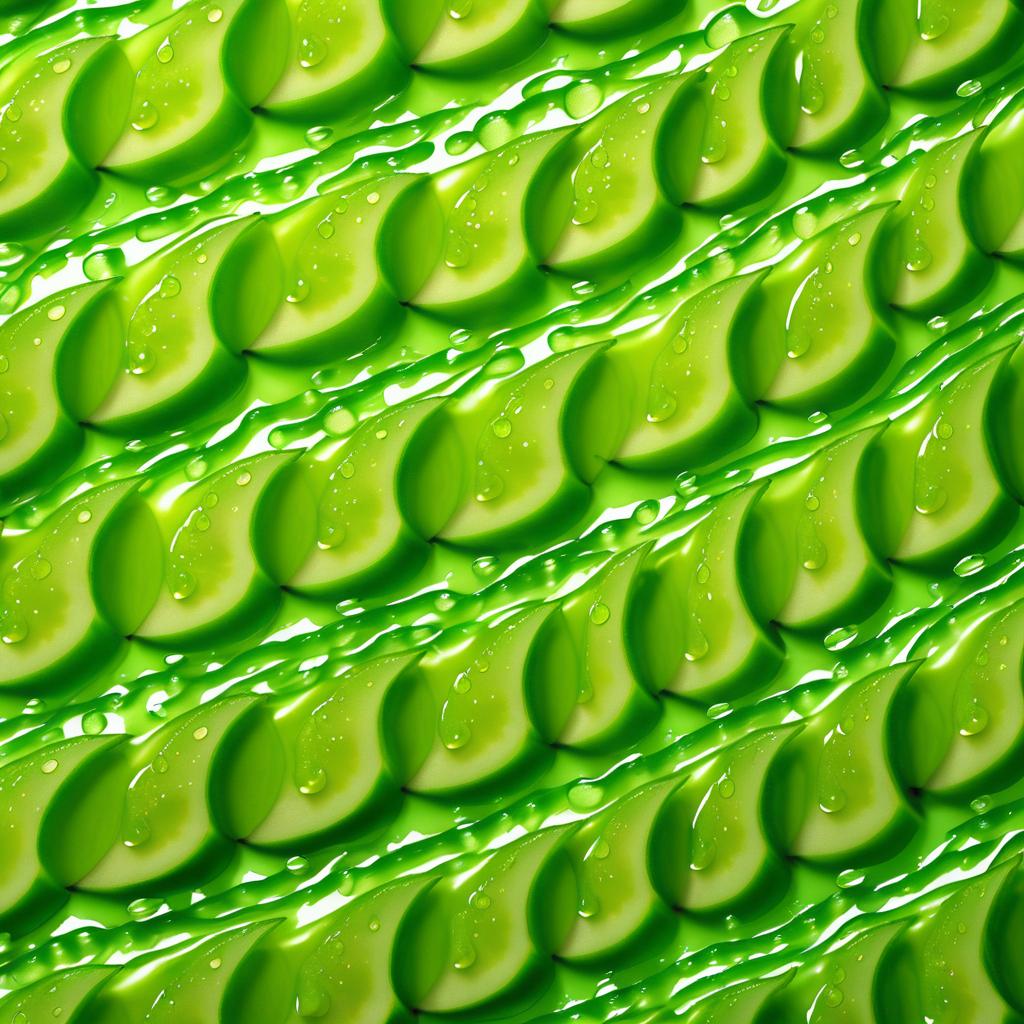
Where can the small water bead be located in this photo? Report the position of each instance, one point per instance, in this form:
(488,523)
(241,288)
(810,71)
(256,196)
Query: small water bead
(931,23)
(599,613)
(833,996)
(104,264)
(297,865)
(325,229)
(318,135)
(201,733)
(143,907)
(312,51)
(502,427)
(169,286)
(146,117)
(585,796)
(165,52)
(583,99)
(213,15)
(50,766)
(39,568)
(485,566)
(840,637)
(851,158)
(726,787)
(973,718)
(969,88)
(56,312)
(805,222)
(646,512)
(832,800)
(480,900)
(981,804)
(719,710)
(459,9)
(244,478)
(849,877)
(969,565)
(722,30)
(312,782)
(339,422)
(93,723)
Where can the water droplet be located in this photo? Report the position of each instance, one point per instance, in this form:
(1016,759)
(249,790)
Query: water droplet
(973,718)
(62,65)
(502,427)
(726,787)
(201,733)
(93,723)
(599,613)
(49,767)
(297,865)
(145,117)
(840,637)
(339,421)
(56,312)
(165,53)
(213,15)
(40,568)
(312,51)
(459,9)
(969,565)
(722,30)
(969,88)
(169,287)
(583,99)
(585,796)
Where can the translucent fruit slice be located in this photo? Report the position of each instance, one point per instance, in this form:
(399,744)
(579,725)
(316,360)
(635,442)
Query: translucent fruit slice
(336,518)
(820,556)
(212,584)
(197,73)
(335,737)
(620,914)
(52,579)
(966,710)
(63,111)
(480,691)
(590,697)
(338,58)
(937,466)
(485,938)
(167,832)
(685,405)
(820,319)
(173,358)
(65,994)
(38,432)
(715,840)
(842,794)
(603,207)
(608,17)
(699,636)
(336,297)
(29,790)
(467,36)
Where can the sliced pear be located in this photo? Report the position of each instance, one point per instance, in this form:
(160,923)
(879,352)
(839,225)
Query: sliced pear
(167,833)
(173,360)
(480,692)
(29,789)
(685,407)
(63,112)
(52,578)
(698,634)
(212,583)
(620,914)
(996,192)
(608,17)
(467,38)
(935,466)
(842,793)
(965,711)
(335,775)
(822,561)
(338,58)
(590,697)
(931,261)
(603,208)
(820,320)
(67,995)
(715,840)
(197,73)
(337,297)
(38,432)
(485,937)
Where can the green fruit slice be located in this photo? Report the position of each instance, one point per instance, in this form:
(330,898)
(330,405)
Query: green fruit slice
(699,635)
(966,710)
(1008,396)
(212,582)
(821,319)
(337,58)
(335,775)
(749,1002)
(609,17)
(63,112)
(344,524)
(620,914)
(336,299)
(839,778)
(996,195)
(589,697)
(480,694)
(65,995)
(485,937)
(685,407)
(197,73)
(167,832)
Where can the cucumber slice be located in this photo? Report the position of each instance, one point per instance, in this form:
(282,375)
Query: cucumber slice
(930,261)
(821,321)
(821,559)
(698,633)
(64,111)
(173,360)
(197,73)
(29,789)
(338,58)
(520,483)
(38,432)
(346,526)
(167,832)
(335,777)
(936,464)
(480,693)
(842,795)
(715,839)
(467,38)
(588,696)
(966,710)
(213,585)
(484,261)
(51,580)
(840,104)
(685,406)
(67,995)
(485,937)
(1008,396)
(621,917)
(337,299)
(996,195)
(610,17)
(603,207)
